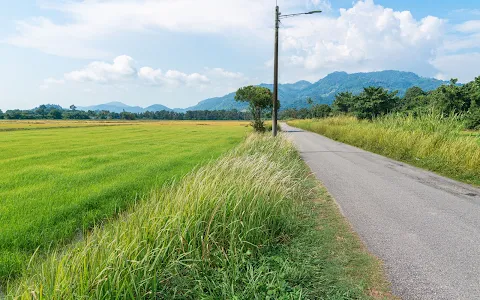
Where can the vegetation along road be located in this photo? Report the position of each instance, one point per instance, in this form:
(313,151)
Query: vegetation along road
(426,228)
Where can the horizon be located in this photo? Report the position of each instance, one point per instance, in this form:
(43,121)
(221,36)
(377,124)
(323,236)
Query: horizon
(87,52)
(126,103)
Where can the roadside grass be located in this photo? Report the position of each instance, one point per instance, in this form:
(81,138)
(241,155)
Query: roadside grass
(253,224)
(432,142)
(55,184)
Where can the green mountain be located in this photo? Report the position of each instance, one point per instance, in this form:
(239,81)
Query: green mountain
(294,95)
(119,107)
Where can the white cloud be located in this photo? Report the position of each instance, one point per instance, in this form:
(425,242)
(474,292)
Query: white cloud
(450,65)
(124,71)
(365,37)
(91,21)
(171,78)
(101,72)
(469,26)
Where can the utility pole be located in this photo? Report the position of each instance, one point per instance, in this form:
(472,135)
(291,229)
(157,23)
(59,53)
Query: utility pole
(275,75)
(278,17)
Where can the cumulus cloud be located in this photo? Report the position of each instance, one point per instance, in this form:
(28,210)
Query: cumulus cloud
(123,71)
(101,72)
(89,21)
(363,38)
(171,77)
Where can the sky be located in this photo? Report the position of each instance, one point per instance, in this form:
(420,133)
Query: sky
(178,52)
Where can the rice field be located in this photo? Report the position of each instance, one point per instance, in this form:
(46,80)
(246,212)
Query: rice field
(58,182)
(252,224)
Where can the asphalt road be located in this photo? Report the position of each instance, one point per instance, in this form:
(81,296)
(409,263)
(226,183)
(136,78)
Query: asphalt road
(426,228)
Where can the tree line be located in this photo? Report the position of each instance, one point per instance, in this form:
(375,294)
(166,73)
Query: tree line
(55,112)
(450,99)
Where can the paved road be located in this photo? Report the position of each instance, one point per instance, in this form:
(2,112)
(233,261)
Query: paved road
(425,228)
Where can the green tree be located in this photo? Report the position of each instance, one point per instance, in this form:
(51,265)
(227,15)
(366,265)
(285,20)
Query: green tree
(449,99)
(55,114)
(374,101)
(259,100)
(321,111)
(127,116)
(1,114)
(73,107)
(414,99)
(473,115)
(343,102)
(42,111)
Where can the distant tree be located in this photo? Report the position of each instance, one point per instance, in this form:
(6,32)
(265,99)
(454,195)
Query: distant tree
(473,118)
(374,101)
(42,111)
(14,114)
(415,99)
(310,103)
(73,107)
(259,99)
(343,102)
(2,115)
(127,116)
(450,98)
(55,114)
(321,111)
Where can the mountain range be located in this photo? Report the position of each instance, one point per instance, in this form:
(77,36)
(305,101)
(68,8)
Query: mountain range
(294,95)
(119,107)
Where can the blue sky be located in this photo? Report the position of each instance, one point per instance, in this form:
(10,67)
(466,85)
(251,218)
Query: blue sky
(176,53)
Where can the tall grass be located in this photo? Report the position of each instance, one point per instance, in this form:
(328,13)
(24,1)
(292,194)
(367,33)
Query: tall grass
(430,141)
(180,241)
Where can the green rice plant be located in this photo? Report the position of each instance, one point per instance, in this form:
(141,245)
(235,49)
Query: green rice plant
(430,141)
(55,184)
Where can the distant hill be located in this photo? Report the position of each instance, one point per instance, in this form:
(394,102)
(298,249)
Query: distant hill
(119,107)
(294,95)
(156,107)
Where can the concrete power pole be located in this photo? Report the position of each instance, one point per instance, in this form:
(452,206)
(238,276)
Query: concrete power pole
(279,16)
(275,75)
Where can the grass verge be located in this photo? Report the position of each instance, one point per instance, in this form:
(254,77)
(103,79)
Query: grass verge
(252,225)
(431,142)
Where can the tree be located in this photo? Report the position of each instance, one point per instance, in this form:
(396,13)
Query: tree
(450,98)
(42,111)
(1,114)
(55,114)
(321,111)
(127,115)
(374,101)
(343,102)
(473,115)
(259,99)
(73,107)
(310,103)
